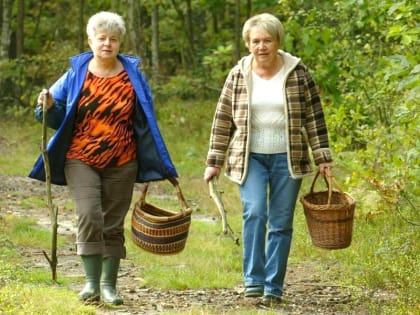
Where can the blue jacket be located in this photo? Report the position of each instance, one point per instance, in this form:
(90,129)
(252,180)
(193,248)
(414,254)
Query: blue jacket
(153,158)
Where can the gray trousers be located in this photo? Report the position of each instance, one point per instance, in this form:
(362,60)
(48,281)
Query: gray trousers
(102,198)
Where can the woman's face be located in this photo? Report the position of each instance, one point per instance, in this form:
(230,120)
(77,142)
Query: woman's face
(262,45)
(105,45)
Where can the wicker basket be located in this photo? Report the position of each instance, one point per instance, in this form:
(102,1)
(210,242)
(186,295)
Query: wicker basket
(157,230)
(329,215)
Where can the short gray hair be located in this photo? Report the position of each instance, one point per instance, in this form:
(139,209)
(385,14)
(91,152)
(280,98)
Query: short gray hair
(105,21)
(267,22)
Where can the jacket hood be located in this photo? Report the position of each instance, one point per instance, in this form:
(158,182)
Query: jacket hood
(290,62)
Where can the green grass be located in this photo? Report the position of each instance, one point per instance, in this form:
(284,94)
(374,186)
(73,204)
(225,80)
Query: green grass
(25,232)
(206,250)
(20,145)
(23,298)
(383,255)
(25,289)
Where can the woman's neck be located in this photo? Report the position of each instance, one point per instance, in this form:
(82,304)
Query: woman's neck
(267,70)
(105,68)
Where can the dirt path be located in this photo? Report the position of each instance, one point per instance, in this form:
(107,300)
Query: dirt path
(304,294)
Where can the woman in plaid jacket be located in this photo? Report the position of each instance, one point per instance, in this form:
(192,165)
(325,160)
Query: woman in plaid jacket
(268,116)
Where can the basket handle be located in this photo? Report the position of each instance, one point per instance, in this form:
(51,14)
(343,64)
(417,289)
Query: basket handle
(330,181)
(175,183)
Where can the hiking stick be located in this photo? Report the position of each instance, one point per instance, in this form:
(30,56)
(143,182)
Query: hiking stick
(53,209)
(216,195)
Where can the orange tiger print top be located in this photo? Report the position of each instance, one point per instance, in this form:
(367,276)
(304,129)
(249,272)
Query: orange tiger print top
(103,134)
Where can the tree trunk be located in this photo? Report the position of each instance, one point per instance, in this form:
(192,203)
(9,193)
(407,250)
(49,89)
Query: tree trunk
(238,29)
(190,27)
(5,29)
(131,42)
(215,22)
(155,42)
(20,28)
(189,49)
(81,39)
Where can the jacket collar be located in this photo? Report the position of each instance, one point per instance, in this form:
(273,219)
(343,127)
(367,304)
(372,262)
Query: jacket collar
(290,62)
(80,60)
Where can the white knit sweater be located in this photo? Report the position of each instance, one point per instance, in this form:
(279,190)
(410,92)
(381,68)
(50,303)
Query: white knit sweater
(268,121)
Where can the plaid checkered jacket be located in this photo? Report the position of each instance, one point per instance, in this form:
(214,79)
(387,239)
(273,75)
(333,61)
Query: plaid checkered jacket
(306,127)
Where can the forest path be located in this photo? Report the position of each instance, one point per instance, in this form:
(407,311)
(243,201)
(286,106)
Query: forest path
(304,292)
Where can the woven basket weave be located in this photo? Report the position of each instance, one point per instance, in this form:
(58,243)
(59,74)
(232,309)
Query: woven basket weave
(160,231)
(329,215)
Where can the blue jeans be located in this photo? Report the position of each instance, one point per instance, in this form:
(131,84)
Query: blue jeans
(268,197)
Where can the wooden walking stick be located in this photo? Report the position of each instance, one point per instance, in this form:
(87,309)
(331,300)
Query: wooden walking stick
(216,195)
(53,209)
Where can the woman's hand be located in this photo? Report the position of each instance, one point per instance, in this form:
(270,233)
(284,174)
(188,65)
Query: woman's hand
(210,172)
(325,168)
(41,98)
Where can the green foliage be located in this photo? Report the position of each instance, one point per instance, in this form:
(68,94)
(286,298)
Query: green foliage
(9,274)
(185,125)
(365,58)
(383,256)
(181,87)
(22,79)
(369,77)
(218,64)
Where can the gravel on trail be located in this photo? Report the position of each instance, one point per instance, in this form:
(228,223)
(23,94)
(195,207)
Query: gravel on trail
(304,292)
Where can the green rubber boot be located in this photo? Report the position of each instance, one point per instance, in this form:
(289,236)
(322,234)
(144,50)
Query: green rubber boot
(92,264)
(110,266)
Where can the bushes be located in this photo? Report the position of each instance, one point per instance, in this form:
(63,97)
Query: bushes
(22,79)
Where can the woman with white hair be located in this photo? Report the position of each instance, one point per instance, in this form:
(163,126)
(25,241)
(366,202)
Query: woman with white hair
(268,116)
(107,139)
